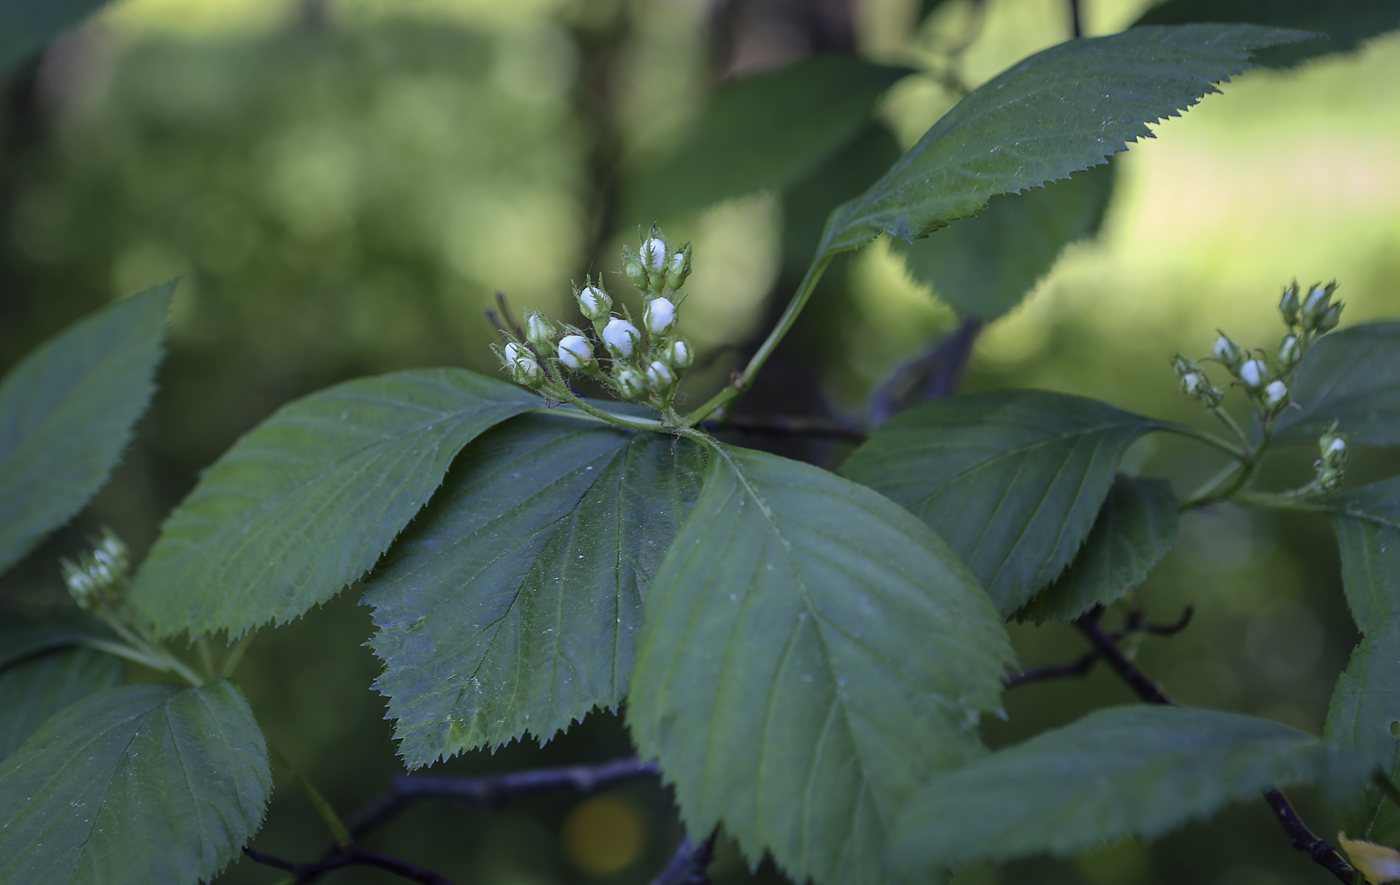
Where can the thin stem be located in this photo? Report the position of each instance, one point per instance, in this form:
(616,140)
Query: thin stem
(1209,439)
(313,795)
(745,378)
(609,417)
(1231,424)
(689,864)
(1204,491)
(309,872)
(235,655)
(781,426)
(206,658)
(1276,501)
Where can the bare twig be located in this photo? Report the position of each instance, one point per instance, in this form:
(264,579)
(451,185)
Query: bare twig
(780,426)
(1303,839)
(1076,22)
(1084,663)
(352,856)
(934,375)
(689,864)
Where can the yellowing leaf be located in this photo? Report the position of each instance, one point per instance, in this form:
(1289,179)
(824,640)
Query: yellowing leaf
(1379,863)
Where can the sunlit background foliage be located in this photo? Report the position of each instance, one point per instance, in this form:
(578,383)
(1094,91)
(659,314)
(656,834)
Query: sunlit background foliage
(342,186)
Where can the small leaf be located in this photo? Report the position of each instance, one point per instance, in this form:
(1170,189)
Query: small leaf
(1351,376)
(67,412)
(138,784)
(985,265)
(764,131)
(34,690)
(1011,479)
(27,26)
(1059,111)
(1136,526)
(1364,718)
(308,500)
(1367,520)
(1377,863)
(20,643)
(1137,770)
(512,603)
(1343,24)
(811,653)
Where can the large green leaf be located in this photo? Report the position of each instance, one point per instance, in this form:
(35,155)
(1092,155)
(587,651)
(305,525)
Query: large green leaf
(764,131)
(1061,110)
(811,653)
(138,784)
(1367,520)
(66,414)
(308,500)
(1135,528)
(26,26)
(1364,717)
(34,690)
(512,603)
(1011,479)
(985,265)
(1345,22)
(1351,376)
(1137,770)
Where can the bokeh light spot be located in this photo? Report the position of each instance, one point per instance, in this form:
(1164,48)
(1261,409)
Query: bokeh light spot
(604,835)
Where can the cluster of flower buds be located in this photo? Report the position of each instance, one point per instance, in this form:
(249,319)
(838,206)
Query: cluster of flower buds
(98,577)
(1195,383)
(1333,449)
(644,363)
(1252,371)
(1311,314)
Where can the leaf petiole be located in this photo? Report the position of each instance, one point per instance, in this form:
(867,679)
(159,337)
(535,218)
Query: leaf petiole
(339,831)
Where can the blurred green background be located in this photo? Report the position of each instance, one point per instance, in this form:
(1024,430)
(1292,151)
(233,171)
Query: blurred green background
(342,186)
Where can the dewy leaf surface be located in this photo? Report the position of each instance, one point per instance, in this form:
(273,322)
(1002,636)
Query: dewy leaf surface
(1351,376)
(1011,479)
(811,653)
(987,264)
(307,501)
(67,412)
(512,603)
(35,689)
(1364,717)
(1061,110)
(1139,770)
(1367,520)
(1136,526)
(137,784)
(764,131)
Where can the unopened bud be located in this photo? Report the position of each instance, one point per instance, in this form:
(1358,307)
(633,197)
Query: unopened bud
(660,378)
(575,353)
(634,269)
(511,354)
(1228,353)
(100,575)
(621,337)
(1329,320)
(1334,449)
(1253,374)
(540,331)
(631,383)
(679,271)
(1290,351)
(653,255)
(1316,306)
(679,355)
(527,373)
(1288,305)
(594,303)
(660,316)
(1275,395)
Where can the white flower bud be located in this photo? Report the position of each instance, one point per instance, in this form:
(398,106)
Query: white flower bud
(660,377)
(1275,395)
(513,353)
(1191,383)
(1290,351)
(575,352)
(679,355)
(654,254)
(540,331)
(1228,352)
(621,337)
(631,383)
(594,303)
(660,316)
(527,372)
(1337,445)
(1253,373)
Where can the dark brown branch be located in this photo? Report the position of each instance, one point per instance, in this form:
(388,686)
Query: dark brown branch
(689,864)
(1303,839)
(1084,663)
(352,856)
(780,426)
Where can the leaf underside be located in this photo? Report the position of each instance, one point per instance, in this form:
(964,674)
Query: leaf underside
(137,784)
(1367,520)
(512,603)
(35,689)
(1013,479)
(67,413)
(810,653)
(307,501)
(1138,770)
(1351,376)
(1364,717)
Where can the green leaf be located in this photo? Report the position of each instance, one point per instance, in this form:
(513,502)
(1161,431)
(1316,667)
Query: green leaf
(985,265)
(309,499)
(1367,520)
(1135,528)
(1061,110)
(811,653)
(512,603)
(27,26)
(1137,770)
(1351,376)
(1364,718)
(66,414)
(35,689)
(138,784)
(1345,23)
(25,642)
(1011,479)
(762,132)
